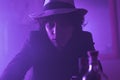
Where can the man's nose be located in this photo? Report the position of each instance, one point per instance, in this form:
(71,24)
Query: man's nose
(56,30)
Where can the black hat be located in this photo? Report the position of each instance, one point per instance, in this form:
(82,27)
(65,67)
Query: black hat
(53,7)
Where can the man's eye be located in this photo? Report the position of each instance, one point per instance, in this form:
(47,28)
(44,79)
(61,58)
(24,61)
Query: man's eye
(50,24)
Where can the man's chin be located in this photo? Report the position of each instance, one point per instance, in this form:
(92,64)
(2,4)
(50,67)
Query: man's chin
(59,47)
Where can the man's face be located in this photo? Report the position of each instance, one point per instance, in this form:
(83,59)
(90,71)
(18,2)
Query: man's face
(59,30)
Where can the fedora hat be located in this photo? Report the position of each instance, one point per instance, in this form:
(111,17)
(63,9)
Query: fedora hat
(53,7)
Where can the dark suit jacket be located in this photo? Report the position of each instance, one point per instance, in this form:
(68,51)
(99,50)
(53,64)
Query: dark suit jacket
(49,63)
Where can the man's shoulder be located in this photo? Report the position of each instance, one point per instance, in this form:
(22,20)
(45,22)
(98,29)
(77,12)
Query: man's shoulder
(37,36)
(86,33)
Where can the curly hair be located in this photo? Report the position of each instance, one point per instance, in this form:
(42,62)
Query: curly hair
(73,18)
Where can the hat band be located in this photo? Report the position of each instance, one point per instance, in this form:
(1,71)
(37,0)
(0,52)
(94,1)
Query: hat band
(57,5)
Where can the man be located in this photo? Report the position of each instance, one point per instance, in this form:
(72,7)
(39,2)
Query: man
(53,51)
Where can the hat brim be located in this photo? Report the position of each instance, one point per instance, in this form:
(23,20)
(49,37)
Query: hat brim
(46,13)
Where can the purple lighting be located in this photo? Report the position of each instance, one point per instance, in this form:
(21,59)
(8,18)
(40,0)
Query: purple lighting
(15,25)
